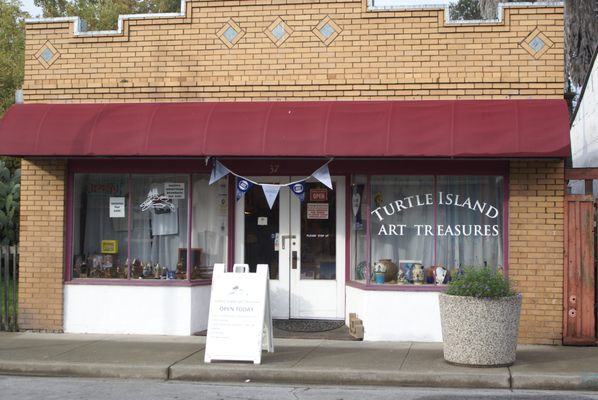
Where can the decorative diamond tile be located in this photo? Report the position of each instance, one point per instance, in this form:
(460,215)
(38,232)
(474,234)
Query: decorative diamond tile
(278,31)
(230,34)
(327,30)
(47,55)
(536,44)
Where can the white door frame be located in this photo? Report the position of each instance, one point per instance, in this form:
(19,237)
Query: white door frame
(291,296)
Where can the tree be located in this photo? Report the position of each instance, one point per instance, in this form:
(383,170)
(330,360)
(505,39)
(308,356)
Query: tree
(581,38)
(465,10)
(9,205)
(12,49)
(103,14)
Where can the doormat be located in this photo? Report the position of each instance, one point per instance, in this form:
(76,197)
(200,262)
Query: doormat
(307,325)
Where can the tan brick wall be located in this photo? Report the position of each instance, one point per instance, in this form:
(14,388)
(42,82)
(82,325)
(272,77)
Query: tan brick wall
(536,247)
(42,245)
(378,55)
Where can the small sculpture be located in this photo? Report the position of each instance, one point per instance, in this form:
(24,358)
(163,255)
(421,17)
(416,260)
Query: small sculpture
(389,269)
(440,275)
(137,268)
(147,270)
(430,274)
(418,274)
(401,278)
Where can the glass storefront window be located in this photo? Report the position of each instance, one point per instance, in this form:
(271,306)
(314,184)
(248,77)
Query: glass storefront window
(358,243)
(470,221)
(209,229)
(422,230)
(137,226)
(100,226)
(159,226)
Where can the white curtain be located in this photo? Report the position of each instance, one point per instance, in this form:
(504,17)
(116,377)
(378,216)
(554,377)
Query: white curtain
(156,238)
(210,216)
(471,248)
(412,220)
(394,230)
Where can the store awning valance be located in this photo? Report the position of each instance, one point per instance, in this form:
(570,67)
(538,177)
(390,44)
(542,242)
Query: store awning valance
(444,128)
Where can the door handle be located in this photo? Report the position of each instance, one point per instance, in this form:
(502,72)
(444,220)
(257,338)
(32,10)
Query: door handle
(285,237)
(294,259)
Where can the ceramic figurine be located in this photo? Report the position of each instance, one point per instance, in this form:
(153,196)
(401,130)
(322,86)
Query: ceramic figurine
(408,269)
(430,274)
(418,274)
(147,270)
(389,268)
(157,271)
(401,279)
(137,268)
(440,275)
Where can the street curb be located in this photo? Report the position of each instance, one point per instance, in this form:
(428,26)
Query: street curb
(223,373)
(87,370)
(530,381)
(290,376)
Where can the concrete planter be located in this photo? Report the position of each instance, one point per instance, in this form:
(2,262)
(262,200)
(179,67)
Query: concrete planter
(480,332)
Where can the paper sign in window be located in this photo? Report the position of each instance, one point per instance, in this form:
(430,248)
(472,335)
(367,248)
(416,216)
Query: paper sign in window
(117,207)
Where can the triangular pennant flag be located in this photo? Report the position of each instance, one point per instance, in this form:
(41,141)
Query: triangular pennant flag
(242,185)
(218,171)
(271,192)
(323,175)
(298,189)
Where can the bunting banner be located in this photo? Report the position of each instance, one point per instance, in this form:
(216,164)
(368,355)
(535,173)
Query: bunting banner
(242,185)
(298,189)
(323,175)
(218,171)
(271,192)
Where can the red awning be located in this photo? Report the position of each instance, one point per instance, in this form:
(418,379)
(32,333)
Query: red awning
(447,128)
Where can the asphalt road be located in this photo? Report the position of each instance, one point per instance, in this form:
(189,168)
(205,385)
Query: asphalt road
(30,388)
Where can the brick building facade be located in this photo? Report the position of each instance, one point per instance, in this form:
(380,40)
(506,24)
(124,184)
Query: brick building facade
(302,50)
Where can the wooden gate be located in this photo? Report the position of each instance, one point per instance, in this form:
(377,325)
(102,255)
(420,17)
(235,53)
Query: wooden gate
(579,278)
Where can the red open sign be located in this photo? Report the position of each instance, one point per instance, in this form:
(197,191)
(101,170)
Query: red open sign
(318,195)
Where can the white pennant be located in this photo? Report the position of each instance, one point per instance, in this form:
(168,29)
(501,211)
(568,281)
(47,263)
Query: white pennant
(271,192)
(218,171)
(323,175)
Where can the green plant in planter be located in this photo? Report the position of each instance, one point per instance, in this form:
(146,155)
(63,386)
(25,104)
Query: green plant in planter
(482,283)
(479,314)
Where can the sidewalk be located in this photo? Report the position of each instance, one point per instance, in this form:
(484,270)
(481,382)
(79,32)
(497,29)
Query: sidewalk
(294,362)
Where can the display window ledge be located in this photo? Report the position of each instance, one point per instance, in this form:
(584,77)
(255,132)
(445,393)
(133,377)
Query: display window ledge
(139,282)
(393,287)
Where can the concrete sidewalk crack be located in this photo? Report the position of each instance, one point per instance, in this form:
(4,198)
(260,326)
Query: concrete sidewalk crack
(406,355)
(510,379)
(306,355)
(75,348)
(168,369)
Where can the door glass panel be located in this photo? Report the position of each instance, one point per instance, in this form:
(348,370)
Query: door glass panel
(261,231)
(318,233)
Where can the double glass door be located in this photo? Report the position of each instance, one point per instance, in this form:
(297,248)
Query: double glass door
(303,244)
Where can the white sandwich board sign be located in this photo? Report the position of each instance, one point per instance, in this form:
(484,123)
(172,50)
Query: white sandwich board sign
(239,323)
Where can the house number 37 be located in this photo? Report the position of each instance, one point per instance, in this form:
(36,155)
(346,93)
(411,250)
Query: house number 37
(274,168)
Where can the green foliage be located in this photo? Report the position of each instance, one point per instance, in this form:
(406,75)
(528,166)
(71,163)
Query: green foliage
(465,10)
(10,192)
(102,14)
(482,282)
(12,49)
